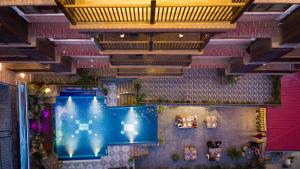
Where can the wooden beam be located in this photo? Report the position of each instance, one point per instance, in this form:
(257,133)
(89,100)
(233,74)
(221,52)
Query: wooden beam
(277,1)
(286,60)
(239,12)
(158,27)
(61,7)
(44,51)
(16,59)
(13,28)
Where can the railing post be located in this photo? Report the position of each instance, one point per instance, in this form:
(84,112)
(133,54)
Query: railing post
(98,39)
(150,42)
(152,12)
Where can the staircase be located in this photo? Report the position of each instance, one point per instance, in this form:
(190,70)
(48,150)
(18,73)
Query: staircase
(125,93)
(261,119)
(138,151)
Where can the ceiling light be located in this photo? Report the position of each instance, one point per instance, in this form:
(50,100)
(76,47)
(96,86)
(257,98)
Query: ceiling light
(180,35)
(22,75)
(122,35)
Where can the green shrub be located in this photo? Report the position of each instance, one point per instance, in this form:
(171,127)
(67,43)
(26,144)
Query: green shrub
(276,89)
(137,86)
(160,109)
(161,140)
(105,91)
(259,164)
(175,157)
(231,79)
(139,98)
(233,153)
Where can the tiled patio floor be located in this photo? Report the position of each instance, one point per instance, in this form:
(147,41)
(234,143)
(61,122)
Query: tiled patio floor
(203,84)
(236,125)
(117,157)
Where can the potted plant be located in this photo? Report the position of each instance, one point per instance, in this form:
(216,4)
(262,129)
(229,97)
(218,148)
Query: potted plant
(137,86)
(175,157)
(130,161)
(105,91)
(233,153)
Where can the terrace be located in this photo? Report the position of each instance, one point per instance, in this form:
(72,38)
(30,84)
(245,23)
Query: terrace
(99,111)
(149,84)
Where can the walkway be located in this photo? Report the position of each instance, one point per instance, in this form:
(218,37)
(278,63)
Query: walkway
(236,125)
(199,85)
(117,157)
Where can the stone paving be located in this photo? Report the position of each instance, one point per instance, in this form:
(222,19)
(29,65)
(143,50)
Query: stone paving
(236,127)
(111,99)
(117,157)
(199,85)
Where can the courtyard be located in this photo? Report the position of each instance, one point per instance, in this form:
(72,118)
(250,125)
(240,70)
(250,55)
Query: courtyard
(149,84)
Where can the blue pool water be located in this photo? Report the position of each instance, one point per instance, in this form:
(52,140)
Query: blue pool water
(85,126)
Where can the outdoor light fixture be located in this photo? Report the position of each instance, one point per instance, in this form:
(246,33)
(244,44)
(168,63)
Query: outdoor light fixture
(47,90)
(95,107)
(130,125)
(122,35)
(180,35)
(22,75)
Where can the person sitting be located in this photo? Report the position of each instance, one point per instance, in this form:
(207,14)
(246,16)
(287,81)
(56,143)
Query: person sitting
(218,144)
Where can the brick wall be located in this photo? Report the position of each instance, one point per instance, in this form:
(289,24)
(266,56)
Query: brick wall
(27,2)
(224,50)
(250,26)
(56,30)
(78,50)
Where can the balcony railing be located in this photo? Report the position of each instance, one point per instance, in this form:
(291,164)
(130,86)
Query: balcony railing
(152,11)
(150,60)
(138,72)
(154,41)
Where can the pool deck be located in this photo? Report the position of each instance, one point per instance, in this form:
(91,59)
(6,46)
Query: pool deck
(236,125)
(117,156)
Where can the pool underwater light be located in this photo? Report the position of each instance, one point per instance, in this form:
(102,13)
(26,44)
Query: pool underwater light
(96,143)
(95,107)
(130,127)
(70,106)
(71,146)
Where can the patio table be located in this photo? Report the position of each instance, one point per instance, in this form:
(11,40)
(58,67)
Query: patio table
(214,153)
(190,153)
(211,122)
(186,121)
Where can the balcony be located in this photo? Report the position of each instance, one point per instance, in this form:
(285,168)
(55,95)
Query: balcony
(152,43)
(146,15)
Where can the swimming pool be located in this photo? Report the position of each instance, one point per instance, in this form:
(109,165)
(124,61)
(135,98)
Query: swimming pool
(85,126)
